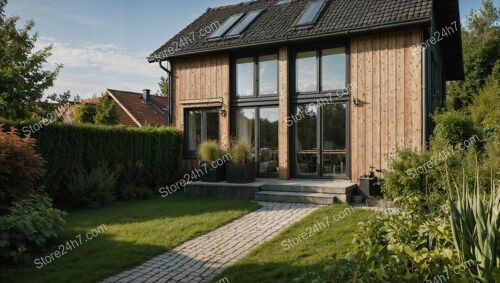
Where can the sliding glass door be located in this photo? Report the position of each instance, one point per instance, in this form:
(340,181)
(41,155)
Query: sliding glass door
(321,140)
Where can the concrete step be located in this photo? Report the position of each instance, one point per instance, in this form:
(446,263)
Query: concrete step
(341,188)
(299,197)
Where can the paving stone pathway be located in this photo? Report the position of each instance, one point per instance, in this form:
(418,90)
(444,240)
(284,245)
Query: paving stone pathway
(201,259)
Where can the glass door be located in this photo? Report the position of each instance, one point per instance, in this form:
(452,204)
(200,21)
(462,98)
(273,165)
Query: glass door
(321,140)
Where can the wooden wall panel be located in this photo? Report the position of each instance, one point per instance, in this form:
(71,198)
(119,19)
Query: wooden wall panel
(283,128)
(388,80)
(202,82)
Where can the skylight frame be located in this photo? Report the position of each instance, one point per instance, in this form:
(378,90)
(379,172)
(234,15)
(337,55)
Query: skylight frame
(309,7)
(226,26)
(244,23)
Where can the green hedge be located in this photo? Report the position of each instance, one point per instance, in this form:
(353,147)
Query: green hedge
(68,148)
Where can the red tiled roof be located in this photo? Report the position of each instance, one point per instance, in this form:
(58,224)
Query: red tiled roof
(93,100)
(153,113)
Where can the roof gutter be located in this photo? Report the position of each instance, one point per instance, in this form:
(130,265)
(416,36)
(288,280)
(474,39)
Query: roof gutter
(318,36)
(169,73)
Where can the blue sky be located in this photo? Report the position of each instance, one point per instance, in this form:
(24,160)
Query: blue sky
(103,43)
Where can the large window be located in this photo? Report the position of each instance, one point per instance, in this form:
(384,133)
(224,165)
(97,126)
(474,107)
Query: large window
(320,71)
(257,76)
(200,125)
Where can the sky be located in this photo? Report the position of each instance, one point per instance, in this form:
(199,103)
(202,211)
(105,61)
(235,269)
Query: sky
(104,43)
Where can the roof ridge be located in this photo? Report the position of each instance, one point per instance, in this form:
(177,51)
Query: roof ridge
(238,4)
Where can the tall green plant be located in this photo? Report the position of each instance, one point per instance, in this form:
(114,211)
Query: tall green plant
(210,151)
(241,152)
(475,224)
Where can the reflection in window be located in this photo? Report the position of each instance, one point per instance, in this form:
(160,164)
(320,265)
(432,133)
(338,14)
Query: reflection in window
(268,74)
(333,68)
(245,77)
(334,127)
(201,125)
(306,140)
(245,125)
(268,140)
(306,72)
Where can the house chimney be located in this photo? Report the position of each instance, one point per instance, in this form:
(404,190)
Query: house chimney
(145,95)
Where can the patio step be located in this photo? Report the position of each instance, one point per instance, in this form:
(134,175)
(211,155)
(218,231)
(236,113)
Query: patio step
(280,196)
(337,188)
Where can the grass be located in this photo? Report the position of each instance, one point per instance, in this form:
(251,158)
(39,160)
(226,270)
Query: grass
(136,231)
(272,263)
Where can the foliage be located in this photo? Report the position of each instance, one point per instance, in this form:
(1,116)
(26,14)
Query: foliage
(27,227)
(480,41)
(85,113)
(401,247)
(475,222)
(20,167)
(130,192)
(163,85)
(106,112)
(70,147)
(453,127)
(210,151)
(240,152)
(94,188)
(23,79)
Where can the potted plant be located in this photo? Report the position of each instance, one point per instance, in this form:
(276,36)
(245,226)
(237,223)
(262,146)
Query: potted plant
(369,184)
(208,154)
(241,168)
(357,197)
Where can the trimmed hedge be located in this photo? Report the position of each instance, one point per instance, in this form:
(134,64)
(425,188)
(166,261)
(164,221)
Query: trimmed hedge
(68,148)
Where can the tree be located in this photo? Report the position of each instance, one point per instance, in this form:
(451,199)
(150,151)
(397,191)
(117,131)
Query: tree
(163,84)
(22,77)
(85,113)
(480,44)
(106,112)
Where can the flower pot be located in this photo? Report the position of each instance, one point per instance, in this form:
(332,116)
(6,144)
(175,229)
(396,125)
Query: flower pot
(212,175)
(357,199)
(240,173)
(369,187)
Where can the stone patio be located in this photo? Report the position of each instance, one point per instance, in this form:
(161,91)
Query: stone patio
(201,259)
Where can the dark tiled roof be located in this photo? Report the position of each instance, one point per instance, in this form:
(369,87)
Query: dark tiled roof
(153,113)
(276,23)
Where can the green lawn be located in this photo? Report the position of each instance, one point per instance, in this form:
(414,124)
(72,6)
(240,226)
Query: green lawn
(136,231)
(272,263)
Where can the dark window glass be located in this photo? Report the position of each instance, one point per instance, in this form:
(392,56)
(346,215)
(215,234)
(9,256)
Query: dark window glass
(245,76)
(268,74)
(306,73)
(201,125)
(245,125)
(311,13)
(306,141)
(268,140)
(229,23)
(333,67)
(243,25)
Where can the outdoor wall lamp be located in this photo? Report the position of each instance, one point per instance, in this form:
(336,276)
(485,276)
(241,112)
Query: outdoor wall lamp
(223,111)
(356,102)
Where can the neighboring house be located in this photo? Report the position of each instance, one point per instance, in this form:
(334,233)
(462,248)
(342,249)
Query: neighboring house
(320,88)
(138,110)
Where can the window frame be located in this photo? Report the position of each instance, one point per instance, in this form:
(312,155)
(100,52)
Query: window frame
(319,92)
(256,96)
(193,154)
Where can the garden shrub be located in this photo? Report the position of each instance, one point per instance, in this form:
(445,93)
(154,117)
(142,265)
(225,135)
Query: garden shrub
(453,128)
(130,192)
(20,167)
(94,188)
(151,153)
(28,227)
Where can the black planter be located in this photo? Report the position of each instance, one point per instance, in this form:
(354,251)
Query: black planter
(240,173)
(369,187)
(213,174)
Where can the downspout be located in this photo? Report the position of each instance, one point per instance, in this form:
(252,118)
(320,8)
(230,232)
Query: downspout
(424,98)
(170,106)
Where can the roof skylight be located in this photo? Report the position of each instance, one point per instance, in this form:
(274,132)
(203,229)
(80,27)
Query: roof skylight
(311,13)
(243,24)
(229,23)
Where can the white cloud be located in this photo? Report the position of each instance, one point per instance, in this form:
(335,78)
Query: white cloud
(92,67)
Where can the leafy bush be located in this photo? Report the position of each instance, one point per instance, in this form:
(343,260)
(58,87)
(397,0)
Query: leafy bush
(150,153)
(27,227)
(129,192)
(240,152)
(20,167)
(85,113)
(475,222)
(402,247)
(210,151)
(92,189)
(107,112)
(453,127)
